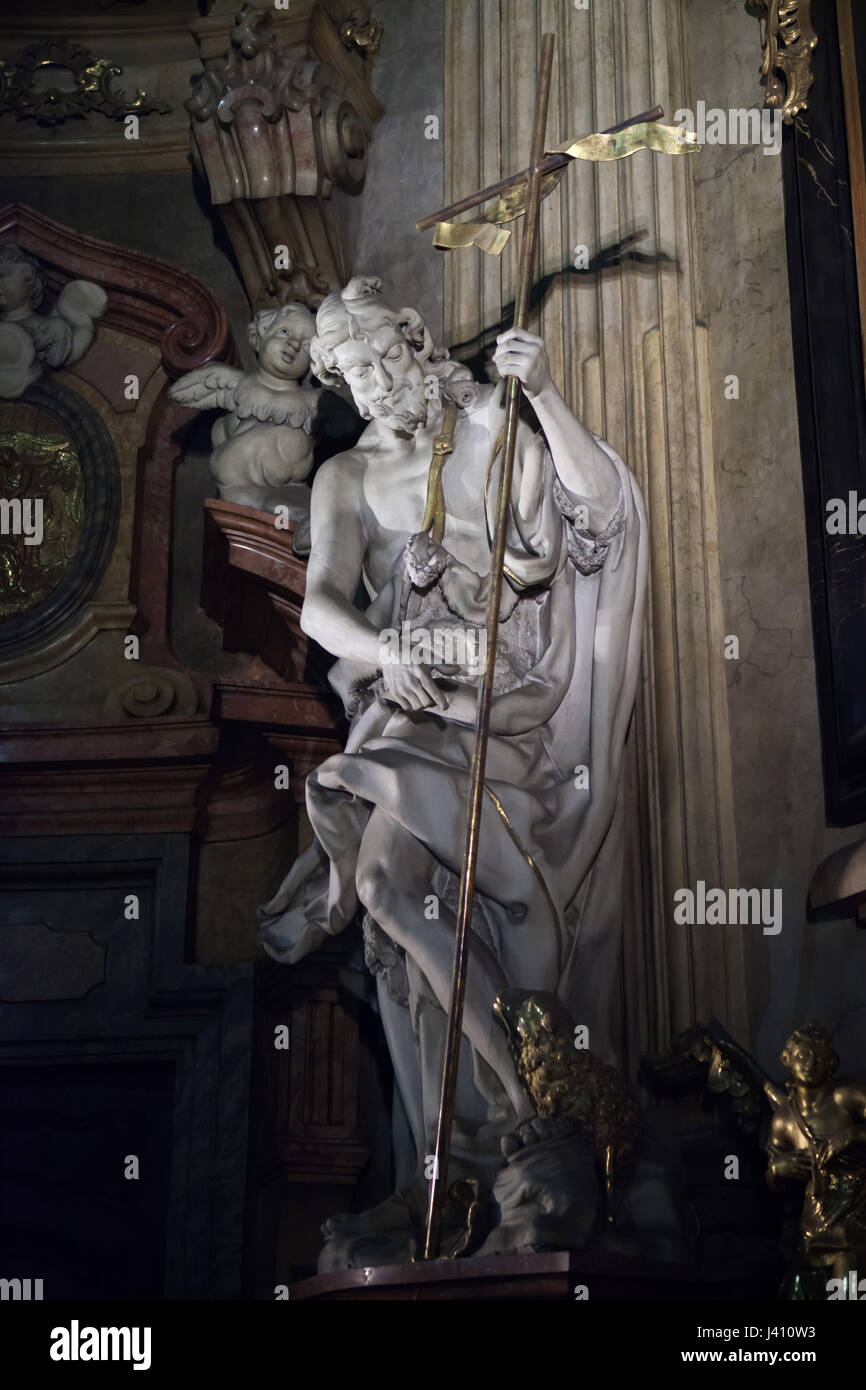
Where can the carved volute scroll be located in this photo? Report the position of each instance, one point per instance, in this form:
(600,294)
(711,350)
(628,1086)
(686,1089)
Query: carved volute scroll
(274,130)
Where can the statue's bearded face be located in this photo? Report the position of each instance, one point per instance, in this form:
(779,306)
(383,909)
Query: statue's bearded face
(384,376)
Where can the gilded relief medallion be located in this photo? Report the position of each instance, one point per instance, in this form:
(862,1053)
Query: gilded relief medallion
(42,504)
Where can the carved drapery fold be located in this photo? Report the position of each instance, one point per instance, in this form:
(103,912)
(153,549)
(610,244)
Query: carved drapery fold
(630,354)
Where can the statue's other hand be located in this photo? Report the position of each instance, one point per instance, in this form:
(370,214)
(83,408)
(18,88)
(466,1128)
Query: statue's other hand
(523,355)
(412,687)
(796,1165)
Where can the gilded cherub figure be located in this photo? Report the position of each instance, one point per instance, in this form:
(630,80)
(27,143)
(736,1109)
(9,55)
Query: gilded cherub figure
(263,446)
(31,341)
(818,1138)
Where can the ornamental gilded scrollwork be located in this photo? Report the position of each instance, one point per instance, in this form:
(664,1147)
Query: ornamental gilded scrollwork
(787,38)
(361,32)
(52,81)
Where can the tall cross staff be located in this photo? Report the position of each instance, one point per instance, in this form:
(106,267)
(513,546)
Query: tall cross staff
(520,192)
(485,691)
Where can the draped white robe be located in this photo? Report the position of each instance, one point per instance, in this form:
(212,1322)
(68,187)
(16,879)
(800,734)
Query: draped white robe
(564,696)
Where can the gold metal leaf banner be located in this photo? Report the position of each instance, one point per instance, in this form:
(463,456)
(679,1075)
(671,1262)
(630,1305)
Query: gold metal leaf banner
(512,203)
(646,135)
(492,237)
(455,236)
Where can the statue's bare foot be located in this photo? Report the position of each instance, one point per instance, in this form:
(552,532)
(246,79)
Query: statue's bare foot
(388,1234)
(393,1232)
(402,1211)
(361,1252)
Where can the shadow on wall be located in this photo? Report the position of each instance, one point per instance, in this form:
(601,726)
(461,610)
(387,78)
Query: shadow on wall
(477,352)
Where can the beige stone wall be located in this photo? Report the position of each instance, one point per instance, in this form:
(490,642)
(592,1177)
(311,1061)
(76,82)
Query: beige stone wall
(725,780)
(808,970)
(629,349)
(404,166)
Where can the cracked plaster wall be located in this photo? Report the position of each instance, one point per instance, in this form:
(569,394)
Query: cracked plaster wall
(809,970)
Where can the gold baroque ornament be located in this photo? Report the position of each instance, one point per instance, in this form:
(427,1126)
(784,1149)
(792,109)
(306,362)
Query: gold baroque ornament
(567,1082)
(787,38)
(362,32)
(82,84)
(817,1146)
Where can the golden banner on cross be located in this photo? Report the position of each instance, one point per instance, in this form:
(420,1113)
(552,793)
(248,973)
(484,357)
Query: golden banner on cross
(491,236)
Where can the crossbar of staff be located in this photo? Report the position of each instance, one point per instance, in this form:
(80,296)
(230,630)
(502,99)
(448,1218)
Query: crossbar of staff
(548,165)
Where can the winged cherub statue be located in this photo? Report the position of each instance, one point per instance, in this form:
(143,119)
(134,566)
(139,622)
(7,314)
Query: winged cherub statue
(263,446)
(30,341)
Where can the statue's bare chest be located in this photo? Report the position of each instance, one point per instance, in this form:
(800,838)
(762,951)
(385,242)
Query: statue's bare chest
(825,1117)
(395,489)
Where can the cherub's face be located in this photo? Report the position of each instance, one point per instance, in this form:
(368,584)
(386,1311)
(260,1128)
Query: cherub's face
(807,1061)
(14,286)
(285,349)
(385,378)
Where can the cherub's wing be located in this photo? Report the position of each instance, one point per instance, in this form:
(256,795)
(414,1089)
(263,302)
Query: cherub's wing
(81,301)
(208,388)
(253,399)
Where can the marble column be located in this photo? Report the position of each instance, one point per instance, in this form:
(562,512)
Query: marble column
(629,350)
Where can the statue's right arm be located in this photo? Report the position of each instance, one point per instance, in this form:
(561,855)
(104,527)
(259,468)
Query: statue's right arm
(336,562)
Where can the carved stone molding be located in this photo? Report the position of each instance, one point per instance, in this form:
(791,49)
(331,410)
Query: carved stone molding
(313,1085)
(310,25)
(254,586)
(147,295)
(154,302)
(144,774)
(787,38)
(242,804)
(150,692)
(275,129)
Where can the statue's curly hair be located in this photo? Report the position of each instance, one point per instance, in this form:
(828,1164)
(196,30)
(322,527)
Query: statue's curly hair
(33,272)
(259,327)
(812,1032)
(343,315)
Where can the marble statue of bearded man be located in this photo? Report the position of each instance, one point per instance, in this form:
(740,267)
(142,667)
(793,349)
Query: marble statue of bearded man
(389,812)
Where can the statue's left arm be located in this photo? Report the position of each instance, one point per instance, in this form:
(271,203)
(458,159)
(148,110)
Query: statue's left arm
(583,468)
(850,1097)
